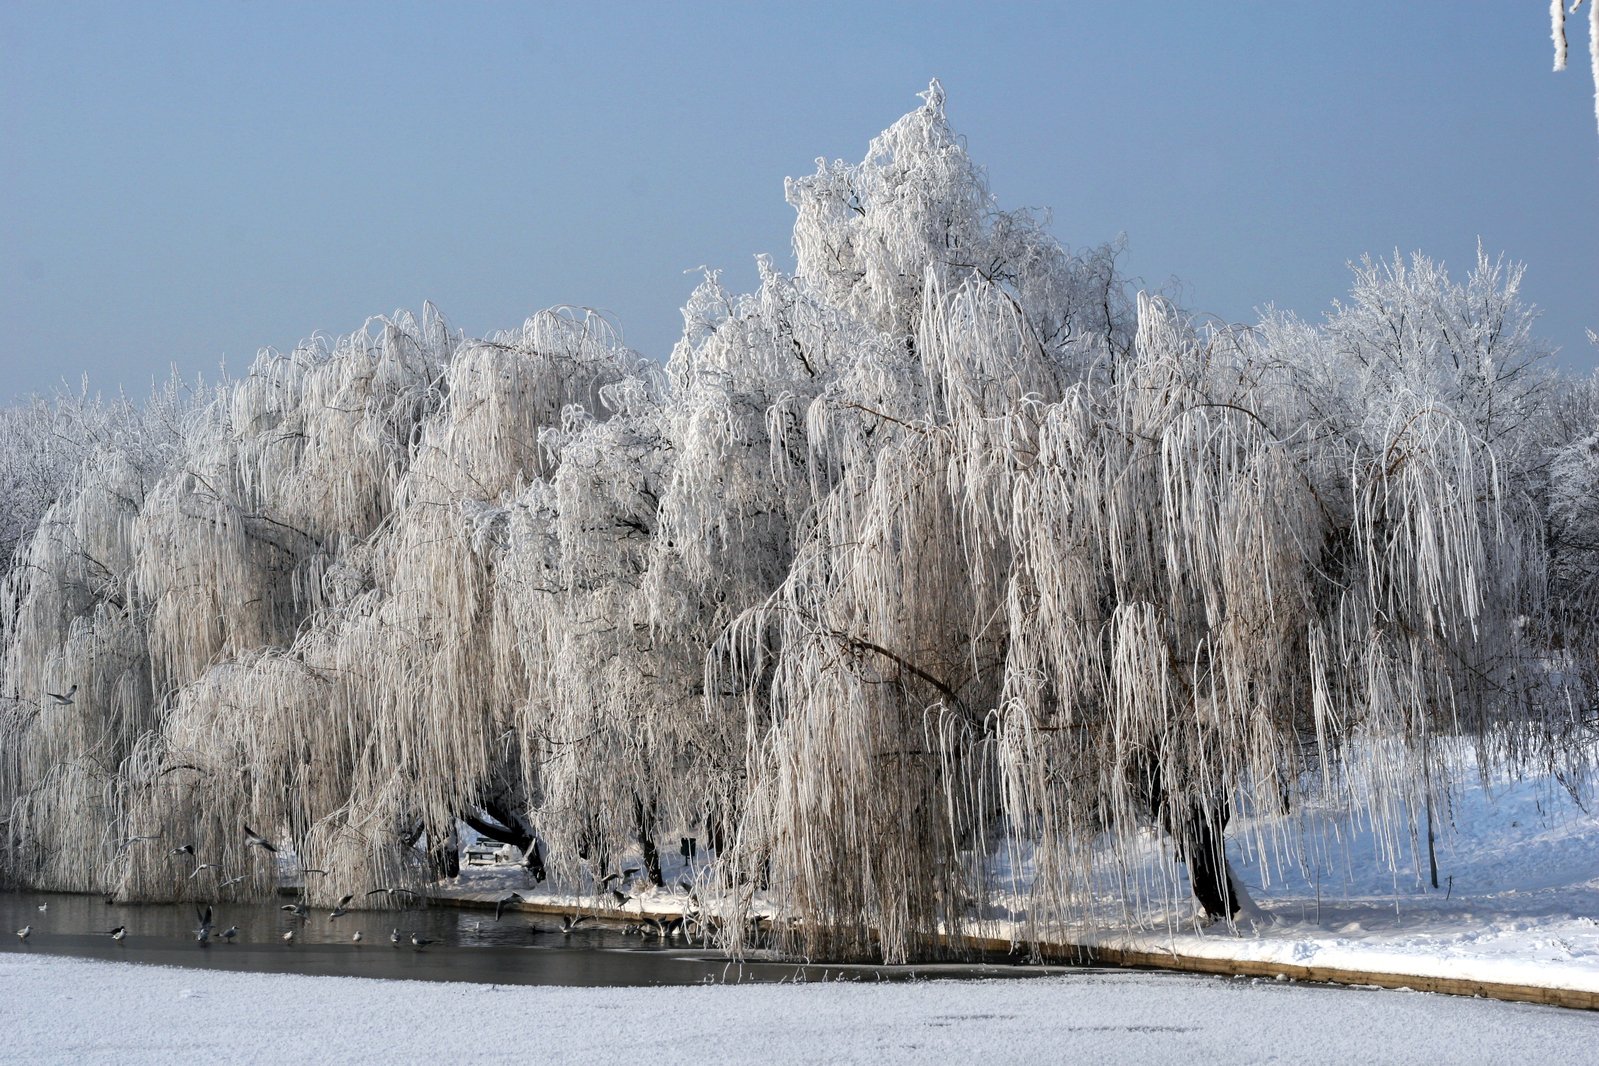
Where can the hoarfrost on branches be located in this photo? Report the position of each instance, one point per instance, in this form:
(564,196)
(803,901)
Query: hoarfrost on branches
(940,558)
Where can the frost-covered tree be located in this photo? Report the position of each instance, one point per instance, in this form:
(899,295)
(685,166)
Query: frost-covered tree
(931,572)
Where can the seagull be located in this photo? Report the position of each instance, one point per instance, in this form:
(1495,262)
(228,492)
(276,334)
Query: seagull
(356,939)
(204,866)
(340,909)
(25,932)
(252,839)
(299,910)
(570,922)
(128,843)
(231,932)
(624,875)
(499,904)
(43,907)
(418,941)
(187,849)
(288,937)
(231,881)
(66,700)
(394,892)
(202,935)
(394,937)
(118,933)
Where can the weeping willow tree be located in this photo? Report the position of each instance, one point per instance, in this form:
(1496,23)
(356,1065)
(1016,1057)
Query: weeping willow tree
(926,576)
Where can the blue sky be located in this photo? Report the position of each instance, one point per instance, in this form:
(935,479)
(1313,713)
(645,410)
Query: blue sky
(184,184)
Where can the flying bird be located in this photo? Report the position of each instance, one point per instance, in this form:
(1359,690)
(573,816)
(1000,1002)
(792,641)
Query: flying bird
(500,904)
(252,839)
(623,876)
(393,892)
(204,866)
(299,910)
(187,849)
(341,908)
(288,937)
(64,700)
(128,843)
(230,881)
(570,922)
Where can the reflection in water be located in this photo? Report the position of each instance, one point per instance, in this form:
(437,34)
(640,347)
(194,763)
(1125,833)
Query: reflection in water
(467,945)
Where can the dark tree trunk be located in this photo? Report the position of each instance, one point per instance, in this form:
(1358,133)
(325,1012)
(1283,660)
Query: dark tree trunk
(444,856)
(1199,830)
(1202,844)
(643,821)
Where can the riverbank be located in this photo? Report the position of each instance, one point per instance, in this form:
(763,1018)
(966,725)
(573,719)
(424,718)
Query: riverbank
(1516,913)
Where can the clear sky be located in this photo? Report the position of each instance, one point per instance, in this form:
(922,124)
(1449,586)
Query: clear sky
(186,183)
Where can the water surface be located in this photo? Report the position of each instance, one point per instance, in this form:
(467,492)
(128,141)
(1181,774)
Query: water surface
(470,945)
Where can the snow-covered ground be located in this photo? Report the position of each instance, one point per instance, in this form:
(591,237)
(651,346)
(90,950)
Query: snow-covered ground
(1518,902)
(71,1010)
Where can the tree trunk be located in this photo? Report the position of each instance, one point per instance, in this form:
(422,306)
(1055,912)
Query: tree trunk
(643,821)
(1199,830)
(1202,845)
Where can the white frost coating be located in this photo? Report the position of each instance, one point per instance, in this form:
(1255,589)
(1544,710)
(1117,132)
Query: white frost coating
(1557,30)
(935,552)
(1557,17)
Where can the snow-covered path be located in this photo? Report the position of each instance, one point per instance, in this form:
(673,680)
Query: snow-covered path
(70,1010)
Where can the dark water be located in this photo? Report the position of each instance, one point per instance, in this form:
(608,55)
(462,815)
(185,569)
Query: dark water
(520,948)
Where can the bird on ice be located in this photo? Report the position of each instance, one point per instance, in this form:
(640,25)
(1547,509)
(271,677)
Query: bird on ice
(418,941)
(25,932)
(252,839)
(64,700)
(202,935)
(230,932)
(394,937)
(356,939)
(118,933)
(288,937)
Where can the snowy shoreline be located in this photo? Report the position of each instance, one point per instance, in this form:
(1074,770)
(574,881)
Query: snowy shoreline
(1521,909)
